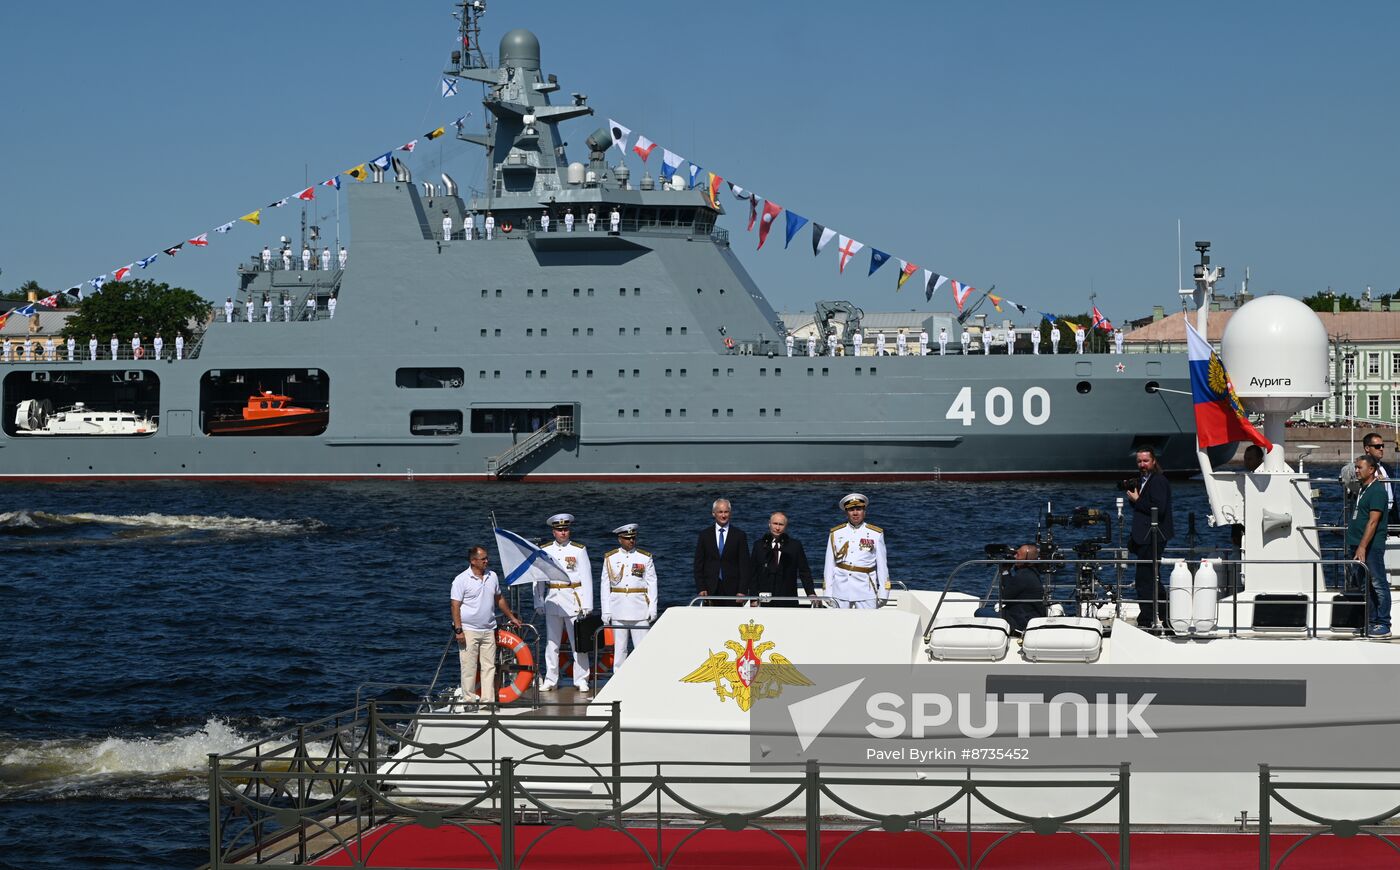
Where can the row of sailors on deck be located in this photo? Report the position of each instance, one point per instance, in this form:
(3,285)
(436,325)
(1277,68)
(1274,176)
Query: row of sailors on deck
(1007,337)
(308,258)
(251,308)
(726,570)
(487,229)
(25,352)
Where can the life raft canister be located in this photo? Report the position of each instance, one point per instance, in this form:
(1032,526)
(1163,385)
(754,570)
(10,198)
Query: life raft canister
(522,663)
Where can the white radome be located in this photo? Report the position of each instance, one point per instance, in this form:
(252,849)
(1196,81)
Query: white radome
(1275,349)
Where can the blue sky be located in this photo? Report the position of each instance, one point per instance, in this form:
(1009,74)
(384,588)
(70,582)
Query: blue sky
(1046,148)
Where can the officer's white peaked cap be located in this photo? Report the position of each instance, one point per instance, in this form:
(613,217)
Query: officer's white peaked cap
(560,521)
(627,531)
(855,499)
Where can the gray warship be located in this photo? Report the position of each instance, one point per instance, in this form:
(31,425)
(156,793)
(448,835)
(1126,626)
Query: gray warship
(642,352)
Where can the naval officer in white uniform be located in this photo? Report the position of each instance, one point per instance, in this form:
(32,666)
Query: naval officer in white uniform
(942,341)
(856,575)
(1054,338)
(966,342)
(923,343)
(789,341)
(628,592)
(564,603)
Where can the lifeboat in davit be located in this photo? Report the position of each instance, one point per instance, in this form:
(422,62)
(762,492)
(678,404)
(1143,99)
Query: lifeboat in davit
(269,413)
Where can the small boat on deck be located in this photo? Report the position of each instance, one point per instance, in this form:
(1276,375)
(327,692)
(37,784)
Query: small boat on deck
(269,413)
(38,417)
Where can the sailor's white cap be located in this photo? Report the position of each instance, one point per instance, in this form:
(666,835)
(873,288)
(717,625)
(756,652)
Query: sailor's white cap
(855,499)
(627,531)
(560,521)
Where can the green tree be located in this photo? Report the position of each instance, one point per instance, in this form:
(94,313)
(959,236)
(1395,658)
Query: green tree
(20,296)
(1323,301)
(125,307)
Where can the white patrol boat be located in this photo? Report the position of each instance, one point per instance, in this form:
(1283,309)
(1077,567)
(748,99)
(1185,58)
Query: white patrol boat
(38,417)
(811,728)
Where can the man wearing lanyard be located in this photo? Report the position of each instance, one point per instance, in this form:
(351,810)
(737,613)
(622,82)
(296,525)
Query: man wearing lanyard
(1366,542)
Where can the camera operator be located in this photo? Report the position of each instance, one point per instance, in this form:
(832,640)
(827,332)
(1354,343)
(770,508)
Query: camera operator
(1149,491)
(1022,591)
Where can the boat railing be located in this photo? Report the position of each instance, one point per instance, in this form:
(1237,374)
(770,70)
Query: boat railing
(1112,595)
(1273,790)
(334,789)
(560,425)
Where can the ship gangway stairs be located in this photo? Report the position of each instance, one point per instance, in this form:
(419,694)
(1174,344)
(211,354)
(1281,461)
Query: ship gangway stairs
(559,426)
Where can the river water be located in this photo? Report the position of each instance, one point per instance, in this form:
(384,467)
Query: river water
(146,625)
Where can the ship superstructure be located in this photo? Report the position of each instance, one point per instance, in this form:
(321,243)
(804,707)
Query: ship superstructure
(471,340)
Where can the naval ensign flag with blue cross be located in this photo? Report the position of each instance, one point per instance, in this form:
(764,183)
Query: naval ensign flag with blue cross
(522,562)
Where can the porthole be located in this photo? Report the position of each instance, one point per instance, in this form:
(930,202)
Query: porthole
(1083,387)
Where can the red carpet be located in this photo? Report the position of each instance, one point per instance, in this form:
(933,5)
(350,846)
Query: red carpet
(538,849)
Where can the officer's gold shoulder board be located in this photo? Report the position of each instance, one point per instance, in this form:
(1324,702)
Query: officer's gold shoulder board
(875,528)
(643,552)
(610,552)
(838,528)
(576,544)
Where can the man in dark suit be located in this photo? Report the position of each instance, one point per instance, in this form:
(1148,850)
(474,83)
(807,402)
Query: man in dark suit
(778,563)
(722,565)
(1150,491)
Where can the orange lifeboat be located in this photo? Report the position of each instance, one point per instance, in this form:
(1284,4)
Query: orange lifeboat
(270,413)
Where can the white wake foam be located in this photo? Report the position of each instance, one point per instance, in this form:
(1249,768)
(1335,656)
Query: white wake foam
(167,522)
(29,763)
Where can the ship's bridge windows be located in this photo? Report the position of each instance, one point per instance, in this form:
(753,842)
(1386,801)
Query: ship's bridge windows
(426,423)
(429,378)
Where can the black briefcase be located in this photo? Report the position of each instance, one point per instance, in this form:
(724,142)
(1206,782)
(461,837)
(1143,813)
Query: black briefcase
(584,631)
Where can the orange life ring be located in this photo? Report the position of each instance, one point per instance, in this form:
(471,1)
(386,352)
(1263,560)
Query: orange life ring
(507,226)
(729,342)
(524,665)
(139,353)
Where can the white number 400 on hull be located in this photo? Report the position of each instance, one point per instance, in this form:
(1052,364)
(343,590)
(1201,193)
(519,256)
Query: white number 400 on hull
(1000,406)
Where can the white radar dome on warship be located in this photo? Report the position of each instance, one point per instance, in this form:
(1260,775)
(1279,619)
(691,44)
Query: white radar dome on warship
(575,173)
(1275,349)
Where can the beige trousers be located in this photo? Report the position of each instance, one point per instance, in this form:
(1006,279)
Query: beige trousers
(479,651)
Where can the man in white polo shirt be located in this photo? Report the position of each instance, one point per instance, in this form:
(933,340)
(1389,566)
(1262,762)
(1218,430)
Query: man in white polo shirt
(476,593)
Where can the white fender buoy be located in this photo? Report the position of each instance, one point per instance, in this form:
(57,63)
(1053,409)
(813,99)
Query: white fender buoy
(1205,599)
(1179,593)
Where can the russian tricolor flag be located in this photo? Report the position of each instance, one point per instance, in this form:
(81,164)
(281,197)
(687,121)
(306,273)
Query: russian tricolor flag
(1219,417)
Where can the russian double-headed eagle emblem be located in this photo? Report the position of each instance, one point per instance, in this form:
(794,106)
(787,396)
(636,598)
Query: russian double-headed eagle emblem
(747,677)
(1220,383)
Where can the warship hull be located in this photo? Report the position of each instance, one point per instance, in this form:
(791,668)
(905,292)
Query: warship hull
(643,352)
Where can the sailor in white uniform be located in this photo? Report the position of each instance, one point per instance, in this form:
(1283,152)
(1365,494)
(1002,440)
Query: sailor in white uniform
(286,258)
(1079,340)
(305,258)
(325,261)
(942,341)
(228,310)
(136,351)
(986,342)
(856,341)
(966,342)
(628,589)
(1054,339)
(446,226)
(569,221)
(879,344)
(923,342)
(116,346)
(812,346)
(179,346)
(343,256)
(252,310)
(901,344)
(469,226)
(490,226)
(1118,341)
(330,307)
(544,221)
(614,221)
(50,351)
(72,347)
(286,307)
(789,341)
(1035,341)
(5,354)
(592,220)
(267,308)
(159,344)
(1010,342)
(29,350)
(311,307)
(92,347)
(267,258)
(563,603)
(856,575)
